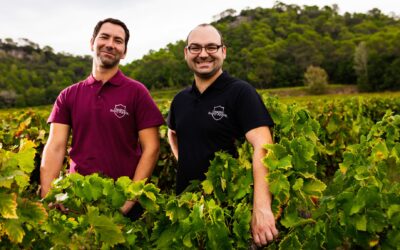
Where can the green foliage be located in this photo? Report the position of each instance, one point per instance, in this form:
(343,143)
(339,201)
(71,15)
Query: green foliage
(333,172)
(229,179)
(159,69)
(273,47)
(361,66)
(316,79)
(269,48)
(32,76)
(364,191)
(343,121)
(19,216)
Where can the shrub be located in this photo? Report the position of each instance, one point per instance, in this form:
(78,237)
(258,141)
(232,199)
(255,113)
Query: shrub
(316,79)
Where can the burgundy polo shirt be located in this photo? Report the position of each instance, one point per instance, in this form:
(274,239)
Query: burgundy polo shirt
(105,120)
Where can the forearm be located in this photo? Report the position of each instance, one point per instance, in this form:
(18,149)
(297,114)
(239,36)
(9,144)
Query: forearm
(262,196)
(51,165)
(263,221)
(146,163)
(173,142)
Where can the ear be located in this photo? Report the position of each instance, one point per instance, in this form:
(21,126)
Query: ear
(124,55)
(185,51)
(91,44)
(224,52)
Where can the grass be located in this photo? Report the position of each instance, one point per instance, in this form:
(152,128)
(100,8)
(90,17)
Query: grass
(168,94)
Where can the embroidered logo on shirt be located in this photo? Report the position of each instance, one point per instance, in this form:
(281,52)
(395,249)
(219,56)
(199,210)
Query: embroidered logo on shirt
(119,110)
(218,113)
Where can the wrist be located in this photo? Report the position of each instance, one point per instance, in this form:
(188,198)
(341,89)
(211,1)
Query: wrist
(262,205)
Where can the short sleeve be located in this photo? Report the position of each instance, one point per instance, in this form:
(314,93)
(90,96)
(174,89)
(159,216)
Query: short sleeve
(251,111)
(61,112)
(147,113)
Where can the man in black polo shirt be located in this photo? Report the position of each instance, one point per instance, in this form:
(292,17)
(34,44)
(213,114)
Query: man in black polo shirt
(211,114)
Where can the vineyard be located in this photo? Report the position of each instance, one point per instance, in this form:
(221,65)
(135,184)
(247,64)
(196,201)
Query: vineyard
(334,172)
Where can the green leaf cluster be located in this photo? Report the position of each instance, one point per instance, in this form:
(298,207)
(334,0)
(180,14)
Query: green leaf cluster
(19,216)
(333,173)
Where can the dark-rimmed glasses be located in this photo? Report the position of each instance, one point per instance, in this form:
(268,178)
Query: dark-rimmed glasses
(210,48)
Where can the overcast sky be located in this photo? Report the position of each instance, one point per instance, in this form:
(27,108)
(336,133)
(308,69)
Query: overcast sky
(67,25)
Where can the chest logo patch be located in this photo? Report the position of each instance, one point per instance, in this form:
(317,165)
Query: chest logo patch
(119,110)
(218,113)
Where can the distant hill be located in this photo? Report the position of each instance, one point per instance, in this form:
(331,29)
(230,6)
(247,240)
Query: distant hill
(268,47)
(272,47)
(30,75)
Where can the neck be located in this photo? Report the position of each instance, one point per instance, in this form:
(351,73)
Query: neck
(103,74)
(202,84)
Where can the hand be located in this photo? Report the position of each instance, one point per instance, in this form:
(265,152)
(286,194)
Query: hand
(127,207)
(263,226)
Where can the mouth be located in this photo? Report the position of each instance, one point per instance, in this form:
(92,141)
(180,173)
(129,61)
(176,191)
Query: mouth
(107,53)
(204,62)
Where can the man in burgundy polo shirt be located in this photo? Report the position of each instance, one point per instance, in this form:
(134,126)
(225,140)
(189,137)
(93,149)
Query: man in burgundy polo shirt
(113,119)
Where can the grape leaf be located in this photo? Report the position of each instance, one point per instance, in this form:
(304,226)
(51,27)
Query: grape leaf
(8,205)
(109,232)
(14,230)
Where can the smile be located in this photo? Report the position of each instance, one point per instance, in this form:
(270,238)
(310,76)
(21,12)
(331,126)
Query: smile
(107,53)
(204,62)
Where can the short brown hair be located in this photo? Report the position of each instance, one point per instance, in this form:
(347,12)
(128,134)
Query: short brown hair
(113,21)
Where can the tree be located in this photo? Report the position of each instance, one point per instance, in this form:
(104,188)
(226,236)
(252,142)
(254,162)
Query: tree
(35,96)
(361,66)
(316,79)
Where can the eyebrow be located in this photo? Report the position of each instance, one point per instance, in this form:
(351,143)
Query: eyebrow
(108,35)
(198,44)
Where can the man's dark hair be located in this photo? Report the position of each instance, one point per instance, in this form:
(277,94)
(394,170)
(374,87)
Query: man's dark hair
(113,21)
(206,25)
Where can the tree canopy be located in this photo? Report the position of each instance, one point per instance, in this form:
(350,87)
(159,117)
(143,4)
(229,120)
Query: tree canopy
(273,47)
(268,47)
(30,75)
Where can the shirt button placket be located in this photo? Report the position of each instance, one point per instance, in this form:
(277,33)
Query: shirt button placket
(99,98)
(98,93)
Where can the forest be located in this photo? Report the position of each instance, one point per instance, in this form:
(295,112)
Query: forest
(268,47)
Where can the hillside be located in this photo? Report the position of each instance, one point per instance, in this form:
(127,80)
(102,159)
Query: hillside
(271,48)
(268,47)
(30,75)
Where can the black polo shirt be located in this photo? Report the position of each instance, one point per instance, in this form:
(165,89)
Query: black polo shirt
(212,121)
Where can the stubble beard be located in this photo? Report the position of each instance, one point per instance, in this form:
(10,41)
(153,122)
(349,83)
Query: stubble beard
(107,63)
(205,75)
(208,75)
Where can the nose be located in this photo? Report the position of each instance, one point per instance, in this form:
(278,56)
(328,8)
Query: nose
(110,43)
(203,52)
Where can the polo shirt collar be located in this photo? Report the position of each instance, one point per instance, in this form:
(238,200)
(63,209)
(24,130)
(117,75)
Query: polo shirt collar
(218,84)
(117,79)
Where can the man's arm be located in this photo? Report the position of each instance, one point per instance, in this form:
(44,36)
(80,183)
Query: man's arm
(150,143)
(263,221)
(53,156)
(173,142)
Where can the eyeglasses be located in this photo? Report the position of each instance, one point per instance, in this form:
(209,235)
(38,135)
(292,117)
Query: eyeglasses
(210,48)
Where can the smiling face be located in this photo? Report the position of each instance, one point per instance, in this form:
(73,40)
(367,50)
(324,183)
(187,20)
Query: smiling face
(205,65)
(109,45)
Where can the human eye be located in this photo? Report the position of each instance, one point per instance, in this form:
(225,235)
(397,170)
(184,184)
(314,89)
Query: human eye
(119,41)
(212,47)
(103,36)
(194,48)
